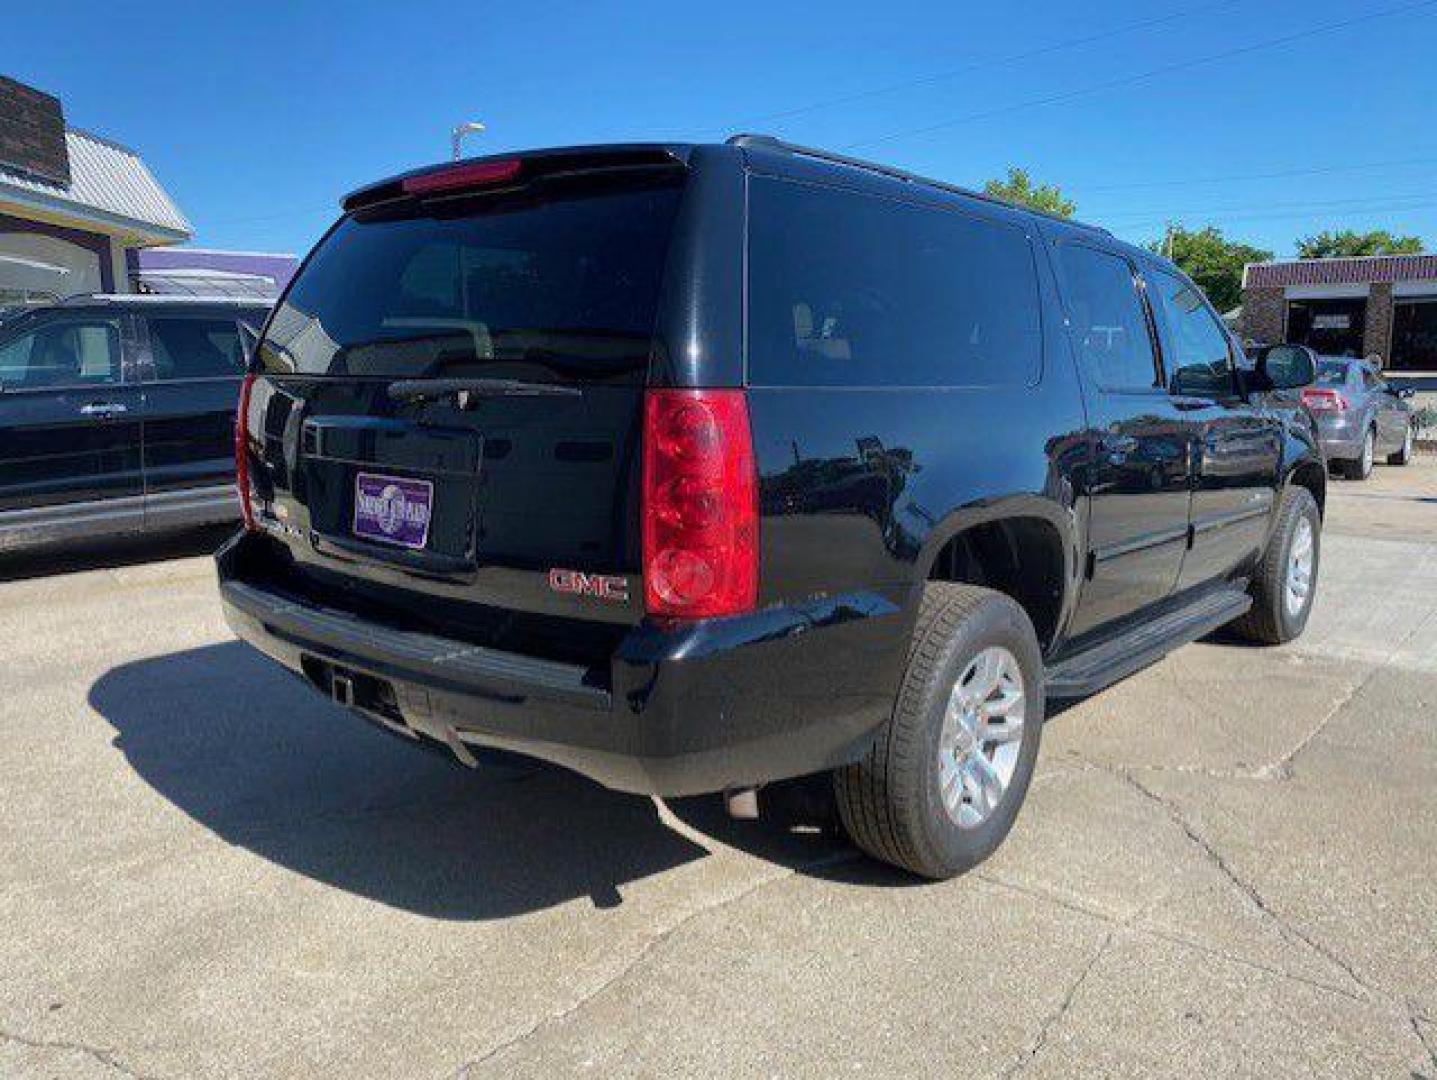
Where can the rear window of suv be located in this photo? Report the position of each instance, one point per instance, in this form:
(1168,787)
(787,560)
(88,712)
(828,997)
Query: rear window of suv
(857,290)
(540,289)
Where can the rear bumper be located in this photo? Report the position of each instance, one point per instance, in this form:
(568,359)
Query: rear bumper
(1340,436)
(684,711)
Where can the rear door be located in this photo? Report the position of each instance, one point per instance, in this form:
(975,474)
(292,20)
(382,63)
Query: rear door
(69,421)
(1236,445)
(193,361)
(1138,485)
(450,401)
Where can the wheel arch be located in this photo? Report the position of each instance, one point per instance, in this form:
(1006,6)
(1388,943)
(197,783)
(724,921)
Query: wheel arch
(1024,547)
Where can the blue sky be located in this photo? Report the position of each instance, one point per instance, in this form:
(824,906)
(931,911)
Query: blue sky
(257,117)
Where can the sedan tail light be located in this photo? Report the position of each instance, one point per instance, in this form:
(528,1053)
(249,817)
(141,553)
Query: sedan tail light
(1324,401)
(242,452)
(700,504)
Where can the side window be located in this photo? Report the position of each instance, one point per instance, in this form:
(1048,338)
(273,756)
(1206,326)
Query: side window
(195,347)
(1198,360)
(856,290)
(62,351)
(1108,324)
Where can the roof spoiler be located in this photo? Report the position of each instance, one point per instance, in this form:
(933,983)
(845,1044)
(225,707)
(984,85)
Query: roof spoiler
(509,171)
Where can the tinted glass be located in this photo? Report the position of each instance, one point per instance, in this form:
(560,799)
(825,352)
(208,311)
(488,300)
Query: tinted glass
(855,290)
(1331,373)
(1197,355)
(186,347)
(1109,327)
(62,351)
(559,289)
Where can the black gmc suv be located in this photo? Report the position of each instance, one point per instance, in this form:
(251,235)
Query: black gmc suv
(696,467)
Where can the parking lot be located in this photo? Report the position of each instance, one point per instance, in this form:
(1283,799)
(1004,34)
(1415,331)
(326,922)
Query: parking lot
(1226,866)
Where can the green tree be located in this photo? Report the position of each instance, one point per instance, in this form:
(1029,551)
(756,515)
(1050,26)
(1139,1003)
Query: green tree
(1019,188)
(1334,245)
(1211,260)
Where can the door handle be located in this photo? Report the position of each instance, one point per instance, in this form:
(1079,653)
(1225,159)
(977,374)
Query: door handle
(104,409)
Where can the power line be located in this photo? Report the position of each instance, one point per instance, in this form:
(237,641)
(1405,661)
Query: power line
(1282,174)
(1129,80)
(996,61)
(1134,226)
(1358,203)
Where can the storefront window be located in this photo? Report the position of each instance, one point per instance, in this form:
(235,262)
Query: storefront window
(1414,334)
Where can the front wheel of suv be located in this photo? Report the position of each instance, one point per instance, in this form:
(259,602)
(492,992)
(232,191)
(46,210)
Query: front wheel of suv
(940,788)
(1285,583)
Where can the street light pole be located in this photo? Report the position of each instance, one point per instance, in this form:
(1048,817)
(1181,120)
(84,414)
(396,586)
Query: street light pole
(456,136)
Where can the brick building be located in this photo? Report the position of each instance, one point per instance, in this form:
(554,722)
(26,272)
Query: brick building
(1382,305)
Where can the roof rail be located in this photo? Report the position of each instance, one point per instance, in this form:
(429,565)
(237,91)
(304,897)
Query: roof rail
(770,142)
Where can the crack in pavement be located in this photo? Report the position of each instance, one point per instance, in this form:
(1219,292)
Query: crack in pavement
(1246,888)
(1055,1017)
(103,1055)
(1416,1021)
(1112,919)
(645,951)
(1370,991)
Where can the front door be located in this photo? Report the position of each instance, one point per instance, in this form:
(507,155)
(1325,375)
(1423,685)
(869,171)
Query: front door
(1141,441)
(69,425)
(1236,447)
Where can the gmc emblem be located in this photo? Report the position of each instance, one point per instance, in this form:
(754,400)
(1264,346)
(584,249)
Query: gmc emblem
(599,586)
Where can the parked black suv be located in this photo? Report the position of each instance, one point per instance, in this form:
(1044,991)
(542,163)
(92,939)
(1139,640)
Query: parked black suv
(695,467)
(117,415)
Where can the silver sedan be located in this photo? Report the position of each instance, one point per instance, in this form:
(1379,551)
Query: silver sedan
(1359,415)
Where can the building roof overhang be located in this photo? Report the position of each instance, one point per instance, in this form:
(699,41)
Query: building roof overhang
(1350,270)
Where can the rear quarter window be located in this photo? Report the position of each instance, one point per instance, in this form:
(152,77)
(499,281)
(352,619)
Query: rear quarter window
(847,289)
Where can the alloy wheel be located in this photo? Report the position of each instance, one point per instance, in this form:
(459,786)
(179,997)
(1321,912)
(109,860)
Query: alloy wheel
(981,736)
(1297,585)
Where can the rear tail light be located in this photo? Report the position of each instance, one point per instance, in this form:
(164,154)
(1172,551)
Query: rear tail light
(242,452)
(1324,400)
(700,504)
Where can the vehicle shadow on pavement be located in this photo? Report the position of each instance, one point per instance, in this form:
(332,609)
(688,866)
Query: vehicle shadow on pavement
(254,755)
(112,554)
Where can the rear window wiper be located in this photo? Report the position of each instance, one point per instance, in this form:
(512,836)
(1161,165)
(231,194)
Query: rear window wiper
(468,391)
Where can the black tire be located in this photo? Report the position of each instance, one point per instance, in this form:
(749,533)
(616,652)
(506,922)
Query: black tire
(1271,620)
(1360,468)
(890,803)
(1404,454)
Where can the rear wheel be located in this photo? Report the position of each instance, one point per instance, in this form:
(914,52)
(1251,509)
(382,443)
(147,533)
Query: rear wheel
(941,786)
(1404,455)
(1361,467)
(1285,583)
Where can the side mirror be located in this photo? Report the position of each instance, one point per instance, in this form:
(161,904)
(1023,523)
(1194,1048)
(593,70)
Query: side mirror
(1287,367)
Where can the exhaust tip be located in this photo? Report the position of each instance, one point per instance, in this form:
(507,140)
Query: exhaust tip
(741,803)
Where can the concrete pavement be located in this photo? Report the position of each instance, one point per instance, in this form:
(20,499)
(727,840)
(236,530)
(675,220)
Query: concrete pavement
(1226,866)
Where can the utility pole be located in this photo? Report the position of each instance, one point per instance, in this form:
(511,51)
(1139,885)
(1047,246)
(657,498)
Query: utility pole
(1168,242)
(456,135)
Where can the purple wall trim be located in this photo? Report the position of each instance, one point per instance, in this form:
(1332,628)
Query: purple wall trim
(96,242)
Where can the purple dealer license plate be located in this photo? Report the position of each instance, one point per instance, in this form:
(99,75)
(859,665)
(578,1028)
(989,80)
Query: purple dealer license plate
(392,510)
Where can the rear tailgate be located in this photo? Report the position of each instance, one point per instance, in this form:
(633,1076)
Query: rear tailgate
(446,420)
